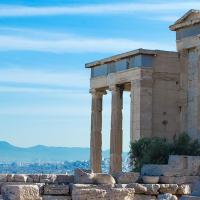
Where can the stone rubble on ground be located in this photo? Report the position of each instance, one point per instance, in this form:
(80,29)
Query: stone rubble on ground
(86,185)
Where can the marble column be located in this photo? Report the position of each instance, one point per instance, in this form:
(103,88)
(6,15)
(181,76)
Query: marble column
(116,138)
(96,131)
(141,109)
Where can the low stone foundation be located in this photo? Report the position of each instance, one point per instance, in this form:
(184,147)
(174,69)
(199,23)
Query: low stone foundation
(62,187)
(179,180)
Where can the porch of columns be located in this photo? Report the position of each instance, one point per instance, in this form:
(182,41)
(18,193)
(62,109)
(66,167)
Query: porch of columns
(96,130)
(116,137)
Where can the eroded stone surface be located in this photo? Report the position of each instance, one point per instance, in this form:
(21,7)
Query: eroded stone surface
(190,198)
(88,194)
(179,179)
(10,177)
(3,178)
(184,189)
(167,196)
(20,178)
(127,177)
(20,192)
(33,178)
(120,194)
(47,178)
(139,188)
(103,194)
(196,189)
(83,177)
(152,189)
(64,178)
(144,197)
(100,178)
(56,189)
(168,188)
(49,197)
(150,179)
(93,178)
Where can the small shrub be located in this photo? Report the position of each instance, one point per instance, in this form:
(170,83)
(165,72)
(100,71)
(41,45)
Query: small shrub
(157,150)
(184,145)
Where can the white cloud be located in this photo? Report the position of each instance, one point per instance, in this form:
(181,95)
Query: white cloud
(57,93)
(75,44)
(12,11)
(49,110)
(44,77)
(168,18)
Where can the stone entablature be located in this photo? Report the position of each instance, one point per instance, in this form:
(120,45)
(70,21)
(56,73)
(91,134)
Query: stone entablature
(140,58)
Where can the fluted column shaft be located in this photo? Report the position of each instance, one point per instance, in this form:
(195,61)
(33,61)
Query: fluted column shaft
(116,130)
(96,134)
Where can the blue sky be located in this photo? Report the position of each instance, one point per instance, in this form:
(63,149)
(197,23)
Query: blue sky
(44,45)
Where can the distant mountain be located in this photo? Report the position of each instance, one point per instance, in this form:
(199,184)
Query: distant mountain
(40,153)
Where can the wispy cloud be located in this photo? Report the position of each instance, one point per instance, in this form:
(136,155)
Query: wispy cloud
(12,11)
(48,110)
(44,77)
(164,18)
(76,44)
(68,94)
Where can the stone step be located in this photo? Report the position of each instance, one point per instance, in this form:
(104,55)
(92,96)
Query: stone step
(190,198)
(53,197)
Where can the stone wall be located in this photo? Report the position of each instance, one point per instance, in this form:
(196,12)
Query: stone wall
(125,186)
(179,179)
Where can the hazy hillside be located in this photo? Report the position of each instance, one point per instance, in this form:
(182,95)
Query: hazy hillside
(41,153)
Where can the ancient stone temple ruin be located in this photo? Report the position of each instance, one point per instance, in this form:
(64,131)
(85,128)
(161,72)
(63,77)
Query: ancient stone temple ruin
(164,91)
(165,101)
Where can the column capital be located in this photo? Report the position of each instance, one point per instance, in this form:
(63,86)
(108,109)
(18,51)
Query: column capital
(183,52)
(116,87)
(97,92)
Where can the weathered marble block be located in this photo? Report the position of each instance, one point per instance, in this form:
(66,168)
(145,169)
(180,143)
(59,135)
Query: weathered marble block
(184,189)
(120,194)
(179,179)
(168,188)
(190,164)
(89,194)
(190,198)
(56,189)
(127,177)
(10,177)
(83,177)
(3,178)
(49,197)
(139,188)
(20,192)
(167,196)
(64,178)
(177,166)
(20,178)
(152,189)
(33,178)
(47,178)
(144,197)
